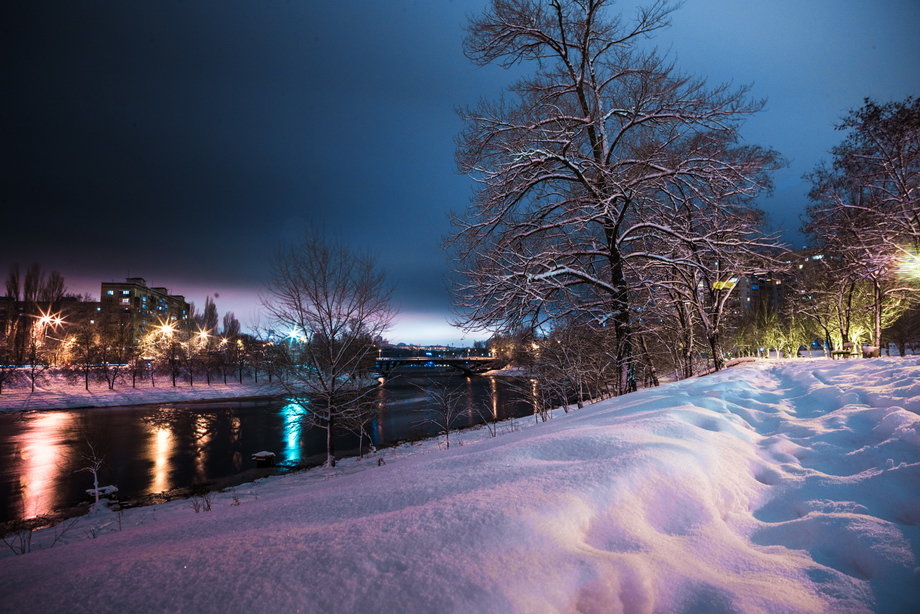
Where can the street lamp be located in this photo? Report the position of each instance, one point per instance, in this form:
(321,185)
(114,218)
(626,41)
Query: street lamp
(46,318)
(909,266)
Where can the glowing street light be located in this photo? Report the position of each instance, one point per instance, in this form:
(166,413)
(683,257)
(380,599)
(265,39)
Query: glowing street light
(46,318)
(909,266)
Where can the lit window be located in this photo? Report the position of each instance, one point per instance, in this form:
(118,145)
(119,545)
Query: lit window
(110,292)
(126,292)
(125,301)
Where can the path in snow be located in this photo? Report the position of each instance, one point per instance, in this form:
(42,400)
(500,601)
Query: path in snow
(784,487)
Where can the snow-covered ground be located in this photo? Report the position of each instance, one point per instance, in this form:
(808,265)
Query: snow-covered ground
(56,392)
(787,486)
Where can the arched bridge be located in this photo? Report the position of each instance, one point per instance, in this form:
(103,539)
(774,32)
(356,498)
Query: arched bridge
(472,365)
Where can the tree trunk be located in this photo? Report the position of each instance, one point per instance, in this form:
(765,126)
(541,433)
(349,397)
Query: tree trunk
(715,344)
(877,318)
(653,374)
(95,484)
(621,321)
(330,443)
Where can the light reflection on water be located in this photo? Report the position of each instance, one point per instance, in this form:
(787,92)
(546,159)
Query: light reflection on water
(159,448)
(161,452)
(43,449)
(293,425)
(493,397)
(203,435)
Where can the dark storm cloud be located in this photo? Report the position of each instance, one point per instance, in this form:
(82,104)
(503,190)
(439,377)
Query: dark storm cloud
(182,141)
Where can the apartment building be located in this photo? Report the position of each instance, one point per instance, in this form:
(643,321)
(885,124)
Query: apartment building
(141,307)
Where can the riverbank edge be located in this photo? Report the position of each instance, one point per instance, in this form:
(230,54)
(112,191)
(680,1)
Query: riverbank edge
(186,395)
(230,482)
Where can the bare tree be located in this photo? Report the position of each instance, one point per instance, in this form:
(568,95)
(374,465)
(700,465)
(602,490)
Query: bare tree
(92,463)
(40,295)
(569,167)
(487,408)
(83,351)
(865,215)
(333,306)
(446,404)
(358,420)
(7,366)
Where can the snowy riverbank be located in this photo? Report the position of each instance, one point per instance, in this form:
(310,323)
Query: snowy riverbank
(56,392)
(788,486)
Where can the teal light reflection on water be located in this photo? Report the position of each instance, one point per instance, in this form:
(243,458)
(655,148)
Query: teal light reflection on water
(293,426)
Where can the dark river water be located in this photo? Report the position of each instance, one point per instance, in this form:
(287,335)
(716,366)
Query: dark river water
(155,451)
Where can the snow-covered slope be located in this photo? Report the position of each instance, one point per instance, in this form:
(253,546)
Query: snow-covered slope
(783,487)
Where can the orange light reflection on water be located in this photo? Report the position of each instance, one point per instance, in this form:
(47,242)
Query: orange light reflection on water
(44,454)
(203,437)
(161,447)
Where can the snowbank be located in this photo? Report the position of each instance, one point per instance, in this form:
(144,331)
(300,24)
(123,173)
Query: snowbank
(55,392)
(771,487)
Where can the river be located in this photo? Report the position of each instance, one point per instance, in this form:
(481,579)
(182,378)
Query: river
(153,452)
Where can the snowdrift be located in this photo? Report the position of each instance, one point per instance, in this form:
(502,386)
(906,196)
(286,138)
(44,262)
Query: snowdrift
(770,487)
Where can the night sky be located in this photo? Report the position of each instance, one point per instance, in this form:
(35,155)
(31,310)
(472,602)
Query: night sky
(183,141)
